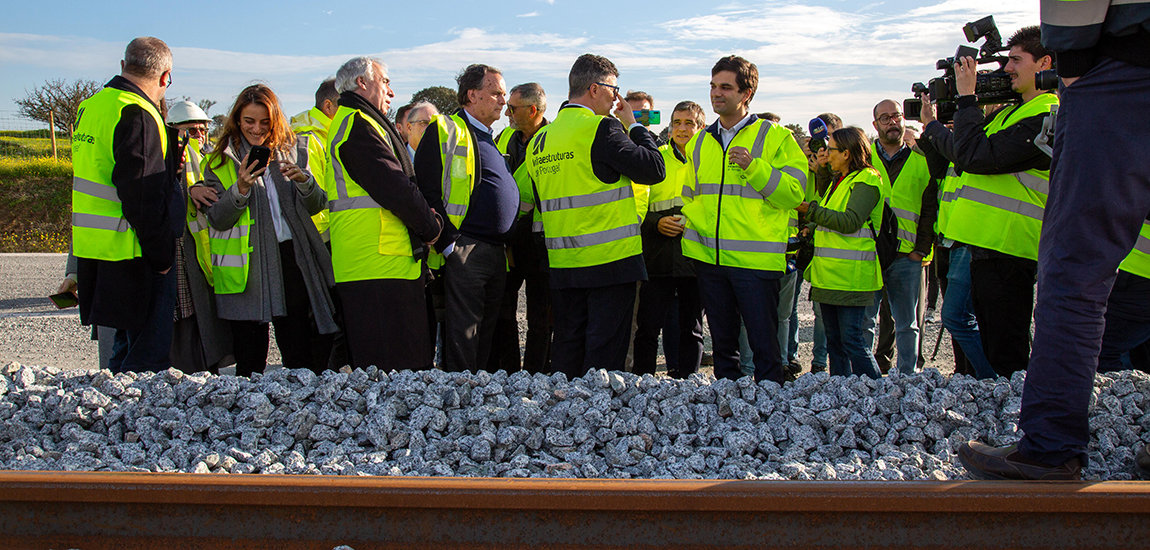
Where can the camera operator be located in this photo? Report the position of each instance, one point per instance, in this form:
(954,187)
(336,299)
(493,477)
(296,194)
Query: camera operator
(1099,199)
(1003,182)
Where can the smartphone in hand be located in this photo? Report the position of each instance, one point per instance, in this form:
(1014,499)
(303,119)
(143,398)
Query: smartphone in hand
(258,158)
(647,117)
(64,300)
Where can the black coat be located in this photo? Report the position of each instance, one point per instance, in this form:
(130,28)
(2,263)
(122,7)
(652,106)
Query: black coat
(118,294)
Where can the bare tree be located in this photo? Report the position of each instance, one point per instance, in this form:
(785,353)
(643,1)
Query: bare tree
(58,95)
(442,97)
(206,105)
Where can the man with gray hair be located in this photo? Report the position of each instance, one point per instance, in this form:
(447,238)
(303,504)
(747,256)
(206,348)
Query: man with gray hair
(415,121)
(127,209)
(380,225)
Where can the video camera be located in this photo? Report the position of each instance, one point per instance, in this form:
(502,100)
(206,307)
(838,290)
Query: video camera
(992,87)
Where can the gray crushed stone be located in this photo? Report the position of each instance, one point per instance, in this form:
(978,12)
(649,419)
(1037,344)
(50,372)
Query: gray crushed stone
(602,425)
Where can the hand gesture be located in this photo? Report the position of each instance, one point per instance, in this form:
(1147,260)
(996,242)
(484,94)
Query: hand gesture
(203,196)
(740,156)
(245,177)
(823,157)
(293,172)
(623,111)
(671,226)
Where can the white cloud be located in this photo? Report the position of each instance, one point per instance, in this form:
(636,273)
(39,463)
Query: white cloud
(811,58)
(784,32)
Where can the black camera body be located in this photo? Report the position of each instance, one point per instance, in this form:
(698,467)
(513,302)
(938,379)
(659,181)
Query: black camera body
(991,87)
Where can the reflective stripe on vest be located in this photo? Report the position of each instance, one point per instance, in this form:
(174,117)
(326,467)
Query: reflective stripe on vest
(1138,261)
(667,194)
(849,262)
(735,244)
(730,221)
(457,165)
(231,247)
(905,193)
(1003,212)
(197,220)
(368,242)
(99,229)
(586,221)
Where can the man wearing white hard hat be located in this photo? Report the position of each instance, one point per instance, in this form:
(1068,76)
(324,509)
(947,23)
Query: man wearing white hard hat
(200,340)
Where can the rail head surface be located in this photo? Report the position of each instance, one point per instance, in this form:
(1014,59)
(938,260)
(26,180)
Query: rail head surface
(554,494)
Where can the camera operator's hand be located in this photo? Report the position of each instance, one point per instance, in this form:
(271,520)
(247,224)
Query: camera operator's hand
(965,75)
(823,156)
(926,115)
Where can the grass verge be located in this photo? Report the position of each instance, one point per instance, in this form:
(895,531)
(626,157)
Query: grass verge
(35,205)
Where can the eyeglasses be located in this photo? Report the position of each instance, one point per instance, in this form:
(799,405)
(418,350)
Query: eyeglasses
(836,149)
(424,121)
(511,108)
(614,89)
(887,119)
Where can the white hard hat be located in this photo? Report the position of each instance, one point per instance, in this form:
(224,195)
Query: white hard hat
(186,111)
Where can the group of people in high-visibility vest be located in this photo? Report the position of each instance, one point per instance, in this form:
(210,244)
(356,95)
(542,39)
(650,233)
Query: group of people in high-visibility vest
(334,231)
(331,227)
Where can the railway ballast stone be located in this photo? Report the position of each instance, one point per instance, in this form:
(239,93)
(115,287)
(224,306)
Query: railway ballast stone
(602,425)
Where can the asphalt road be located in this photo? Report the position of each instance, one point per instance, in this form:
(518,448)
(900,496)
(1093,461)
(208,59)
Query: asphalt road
(34,332)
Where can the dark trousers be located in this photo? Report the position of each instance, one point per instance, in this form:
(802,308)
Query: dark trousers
(940,267)
(656,299)
(387,323)
(300,343)
(250,342)
(505,343)
(339,352)
(592,328)
(1099,198)
(847,345)
(473,282)
(1003,291)
(734,294)
(148,349)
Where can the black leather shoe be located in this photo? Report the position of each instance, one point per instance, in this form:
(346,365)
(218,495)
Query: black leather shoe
(1142,463)
(791,371)
(986,462)
(818,368)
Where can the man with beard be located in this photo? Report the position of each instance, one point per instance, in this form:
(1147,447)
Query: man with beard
(905,174)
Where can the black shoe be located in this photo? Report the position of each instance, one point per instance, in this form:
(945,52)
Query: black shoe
(1142,463)
(815,367)
(791,371)
(986,462)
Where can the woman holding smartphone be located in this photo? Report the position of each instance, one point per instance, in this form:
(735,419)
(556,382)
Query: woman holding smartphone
(269,262)
(845,274)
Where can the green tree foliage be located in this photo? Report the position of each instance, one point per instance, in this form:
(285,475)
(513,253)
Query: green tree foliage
(441,96)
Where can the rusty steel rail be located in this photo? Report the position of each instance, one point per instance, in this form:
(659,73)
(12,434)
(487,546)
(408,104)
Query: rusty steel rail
(97,511)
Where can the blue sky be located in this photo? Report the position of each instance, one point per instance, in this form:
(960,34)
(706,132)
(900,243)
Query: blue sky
(813,56)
